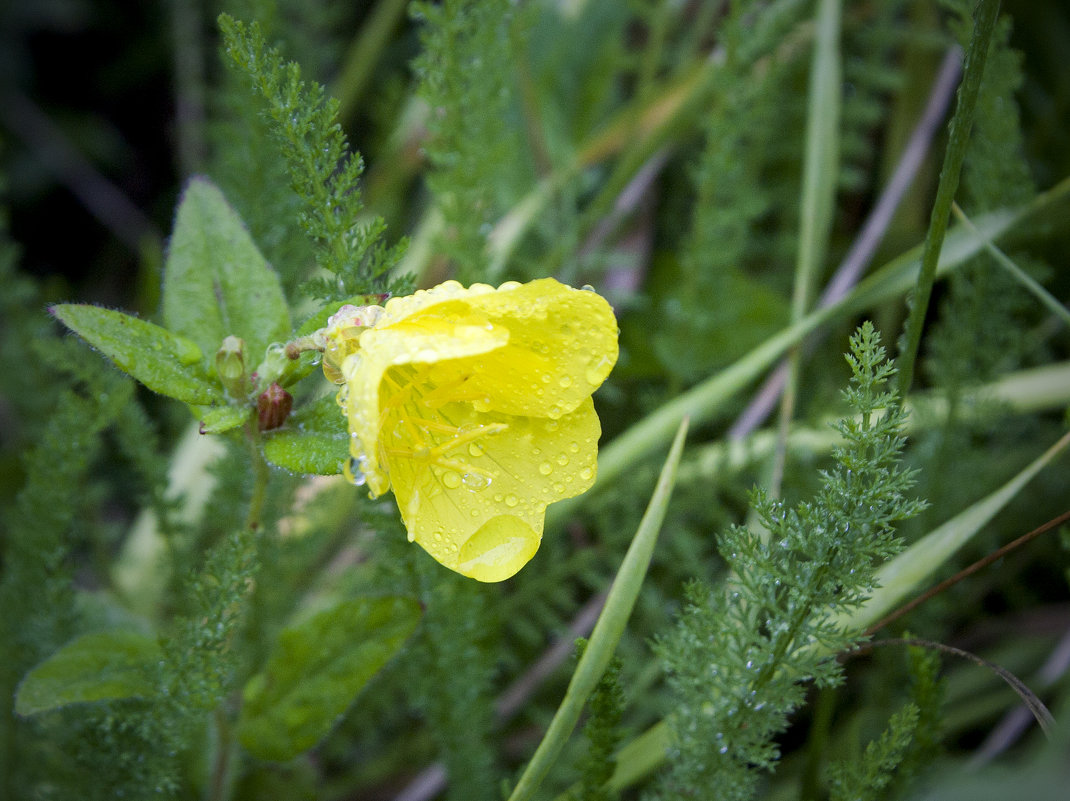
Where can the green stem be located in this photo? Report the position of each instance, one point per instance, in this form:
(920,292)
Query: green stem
(958,142)
(364,53)
(703,402)
(818,196)
(607,631)
(261,474)
(1026,280)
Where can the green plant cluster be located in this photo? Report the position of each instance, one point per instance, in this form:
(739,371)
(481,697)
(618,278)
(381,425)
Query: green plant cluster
(195,604)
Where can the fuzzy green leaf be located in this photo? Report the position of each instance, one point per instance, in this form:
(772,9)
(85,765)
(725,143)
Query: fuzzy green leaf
(316,670)
(217,419)
(314,440)
(216,283)
(162,361)
(103,666)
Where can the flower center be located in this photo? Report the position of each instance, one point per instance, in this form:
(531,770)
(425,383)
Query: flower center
(418,421)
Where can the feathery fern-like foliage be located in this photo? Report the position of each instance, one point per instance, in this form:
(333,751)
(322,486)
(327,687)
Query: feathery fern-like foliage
(324,173)
(741,654)
(602,733)
(471,55)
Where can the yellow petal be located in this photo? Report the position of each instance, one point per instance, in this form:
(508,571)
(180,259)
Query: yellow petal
(473,487)
(562,345)
(423,341)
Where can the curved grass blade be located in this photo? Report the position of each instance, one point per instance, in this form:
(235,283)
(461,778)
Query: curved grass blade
(608,630)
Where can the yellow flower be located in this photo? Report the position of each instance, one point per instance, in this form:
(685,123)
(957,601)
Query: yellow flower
(474,407)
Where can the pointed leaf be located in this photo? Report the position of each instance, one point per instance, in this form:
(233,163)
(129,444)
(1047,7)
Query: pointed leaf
(216,283)
(217,419)
(104,666)
(911,568)
(315,440)
(316,671)
(608,630)
(162,361)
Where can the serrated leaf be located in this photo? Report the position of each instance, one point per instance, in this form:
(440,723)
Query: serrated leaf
(216,283)
(103,666)
(160,360)
(217,419)
(315,440)
(316,670)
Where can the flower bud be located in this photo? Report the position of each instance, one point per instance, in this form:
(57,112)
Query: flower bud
(273,407)
(230,366)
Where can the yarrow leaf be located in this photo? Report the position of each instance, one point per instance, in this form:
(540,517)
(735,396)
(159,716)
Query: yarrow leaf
(740,656)
(324,172)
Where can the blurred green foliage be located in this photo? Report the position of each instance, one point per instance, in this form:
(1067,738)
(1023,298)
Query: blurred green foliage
(181,618)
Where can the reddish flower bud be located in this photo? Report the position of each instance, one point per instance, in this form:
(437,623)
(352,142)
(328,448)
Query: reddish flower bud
(273,407)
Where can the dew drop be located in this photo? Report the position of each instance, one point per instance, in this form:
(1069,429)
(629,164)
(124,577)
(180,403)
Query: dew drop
(559,488)
(565,381)
(545,378)
(546,468)
(474,449)
(354,475)
(451,480)
(586,473)
(475,481)
(511,500)
(574,447)
(562,460)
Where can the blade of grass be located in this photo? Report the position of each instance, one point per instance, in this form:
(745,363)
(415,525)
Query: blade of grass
(858,257)
(363,54)
(958,142)
(607,631)
(1004,261)
(906,572)
(899,577)
(703,402)
(820,169)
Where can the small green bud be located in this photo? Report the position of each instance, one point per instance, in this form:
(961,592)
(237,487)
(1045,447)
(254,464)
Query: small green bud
(230,367)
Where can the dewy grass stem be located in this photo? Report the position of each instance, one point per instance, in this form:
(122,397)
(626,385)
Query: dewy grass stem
(958,143)
(608,630)
(818,196)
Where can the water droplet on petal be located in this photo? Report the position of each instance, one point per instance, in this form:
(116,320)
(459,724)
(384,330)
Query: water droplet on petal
(498,549)
(586,473)
(475,481)
(451,480)
(565,381)
(546,468)
(354,475)
(511,500)
(474,449)
(562,460)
